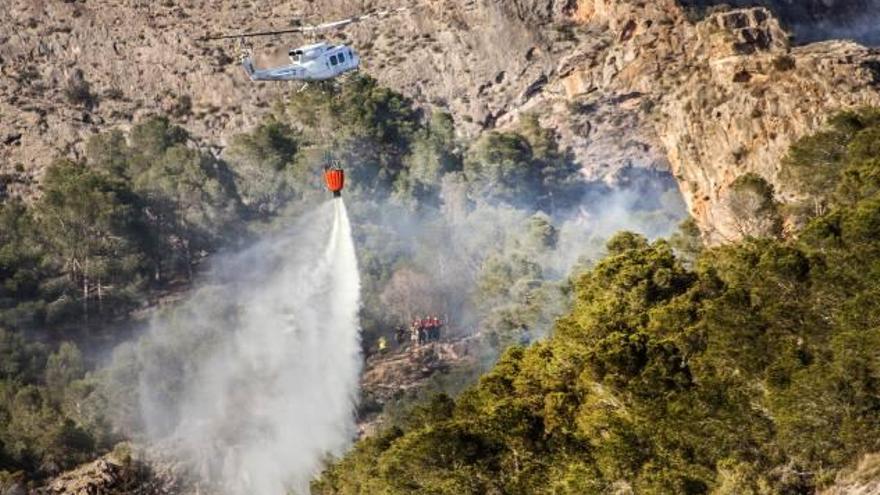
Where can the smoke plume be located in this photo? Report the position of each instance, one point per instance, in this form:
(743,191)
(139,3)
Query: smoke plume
(253,381)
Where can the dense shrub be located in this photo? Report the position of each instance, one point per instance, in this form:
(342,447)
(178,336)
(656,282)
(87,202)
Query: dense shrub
(50,416)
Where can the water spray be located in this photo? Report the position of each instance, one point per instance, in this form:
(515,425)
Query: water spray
(267,389)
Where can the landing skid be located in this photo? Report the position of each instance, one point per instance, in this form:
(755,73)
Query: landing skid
(323,86)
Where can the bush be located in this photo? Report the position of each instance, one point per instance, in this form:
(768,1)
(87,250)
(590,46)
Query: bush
(41,432)
(752,207)
(79,91)
(816,164)
(784,63)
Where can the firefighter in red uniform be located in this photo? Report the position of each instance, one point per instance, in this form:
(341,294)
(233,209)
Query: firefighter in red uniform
(437,324)
(429,329)
(423,329)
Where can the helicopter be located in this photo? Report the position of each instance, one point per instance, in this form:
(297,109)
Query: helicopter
(320,61)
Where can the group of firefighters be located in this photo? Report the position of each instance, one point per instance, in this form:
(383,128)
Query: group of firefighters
(421,331)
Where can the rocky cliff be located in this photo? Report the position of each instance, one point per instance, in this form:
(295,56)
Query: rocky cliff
(714,99)
(707,95)
(862,479)
(812,20)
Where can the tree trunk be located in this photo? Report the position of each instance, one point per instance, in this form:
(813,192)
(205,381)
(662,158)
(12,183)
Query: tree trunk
(188,255)
(157,275)
(100,298)
(85,297)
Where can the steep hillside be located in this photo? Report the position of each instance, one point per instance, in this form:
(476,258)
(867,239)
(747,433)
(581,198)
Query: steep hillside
(748,368)
(71,68)
(719,99)
(622,83)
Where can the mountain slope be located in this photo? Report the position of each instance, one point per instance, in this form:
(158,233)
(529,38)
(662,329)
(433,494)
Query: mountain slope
(623,83)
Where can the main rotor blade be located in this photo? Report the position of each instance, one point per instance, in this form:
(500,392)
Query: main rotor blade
(254,34)
(309,29)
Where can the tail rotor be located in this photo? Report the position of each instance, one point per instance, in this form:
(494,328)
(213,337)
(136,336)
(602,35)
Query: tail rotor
(245,51)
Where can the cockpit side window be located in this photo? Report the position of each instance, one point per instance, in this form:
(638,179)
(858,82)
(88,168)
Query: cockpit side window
(333,59)
(341,57)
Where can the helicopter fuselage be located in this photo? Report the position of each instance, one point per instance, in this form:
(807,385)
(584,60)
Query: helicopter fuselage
(317,62)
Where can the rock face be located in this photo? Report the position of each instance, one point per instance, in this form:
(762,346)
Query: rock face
(714,99)
(864,479)
(136,472)
(623,82)
(743,98)
(111,475)
(813,20)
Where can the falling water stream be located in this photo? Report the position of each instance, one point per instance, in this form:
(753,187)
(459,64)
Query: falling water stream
(270,388)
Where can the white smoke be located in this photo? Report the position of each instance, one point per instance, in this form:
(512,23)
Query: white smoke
(257,398)
(864,29)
